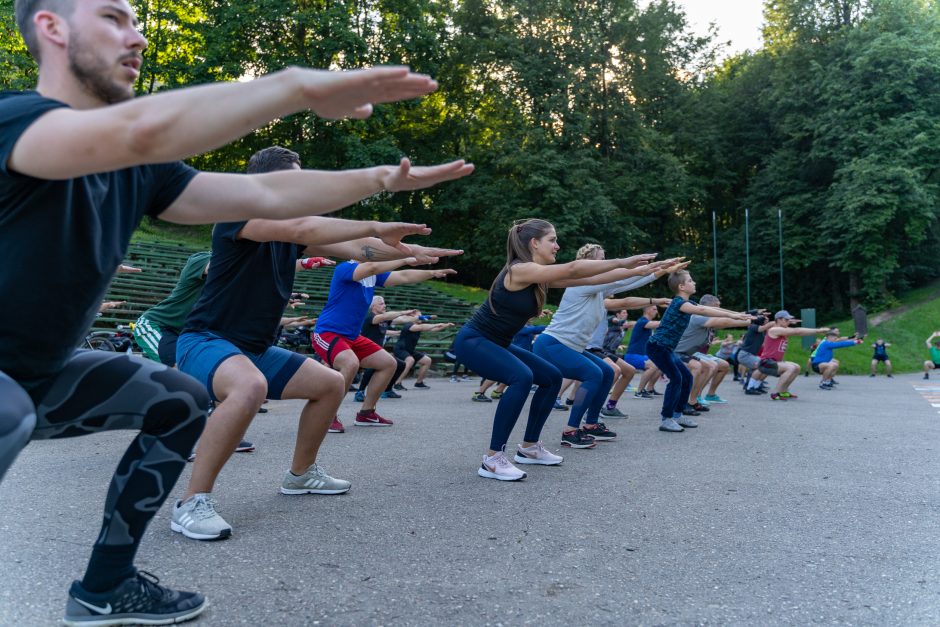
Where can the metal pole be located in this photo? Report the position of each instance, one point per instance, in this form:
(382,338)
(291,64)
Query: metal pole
(715,254)
(747,256)
(780,246)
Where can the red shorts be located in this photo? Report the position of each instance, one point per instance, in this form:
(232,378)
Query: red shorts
(328,345)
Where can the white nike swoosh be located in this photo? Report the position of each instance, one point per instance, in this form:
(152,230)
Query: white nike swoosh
(94,608)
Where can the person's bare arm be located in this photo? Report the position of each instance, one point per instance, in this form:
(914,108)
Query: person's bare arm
(423,327)
(528,273)
(796,331)
(392,315)
(180,123)
(374,249)
(406,277)
(727,323)
(712,312)
(634,302)
(218,197)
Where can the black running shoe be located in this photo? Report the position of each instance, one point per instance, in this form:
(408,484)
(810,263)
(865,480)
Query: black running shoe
(244,447)
(752,392)
(569,402)
(654,392)
(421,385)
(138,599)
(689,411)
(700,408)
(399,387)
(599,432)
(577,439)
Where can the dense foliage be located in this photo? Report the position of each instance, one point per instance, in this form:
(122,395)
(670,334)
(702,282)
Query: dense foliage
(610,119)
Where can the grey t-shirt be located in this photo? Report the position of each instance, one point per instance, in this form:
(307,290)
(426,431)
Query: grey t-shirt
(695,337)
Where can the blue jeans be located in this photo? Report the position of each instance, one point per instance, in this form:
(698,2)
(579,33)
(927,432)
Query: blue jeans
(680,379)
(595,375)
(518,369)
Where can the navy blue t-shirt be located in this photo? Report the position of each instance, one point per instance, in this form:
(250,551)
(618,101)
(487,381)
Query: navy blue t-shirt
(61,243)
(639,337)
(672,326)
(248,286)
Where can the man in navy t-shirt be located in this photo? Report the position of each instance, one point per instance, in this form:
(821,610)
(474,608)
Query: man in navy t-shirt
(636,351)
(76,177)
(337,338)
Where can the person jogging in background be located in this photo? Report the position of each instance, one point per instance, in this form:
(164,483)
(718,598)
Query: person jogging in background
(933,345)
(824,362)
(880,354)
(662,344)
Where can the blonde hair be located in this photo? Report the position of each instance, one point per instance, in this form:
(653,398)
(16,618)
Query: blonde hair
(589,251)
(518,251)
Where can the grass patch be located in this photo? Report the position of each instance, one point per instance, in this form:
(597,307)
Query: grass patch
(466,293)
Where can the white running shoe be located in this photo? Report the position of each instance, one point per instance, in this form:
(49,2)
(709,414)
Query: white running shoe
(197,518)
(537,454)
(314,481)
(498,467)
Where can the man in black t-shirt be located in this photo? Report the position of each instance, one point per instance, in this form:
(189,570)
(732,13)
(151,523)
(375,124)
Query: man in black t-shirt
(406,349)
(66,218)
(375,328)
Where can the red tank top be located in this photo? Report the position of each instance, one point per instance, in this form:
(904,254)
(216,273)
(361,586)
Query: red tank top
(773,347)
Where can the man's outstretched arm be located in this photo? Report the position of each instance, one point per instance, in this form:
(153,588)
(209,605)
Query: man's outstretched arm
(185,122)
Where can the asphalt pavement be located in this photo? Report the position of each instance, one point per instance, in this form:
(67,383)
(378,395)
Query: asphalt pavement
(821,510)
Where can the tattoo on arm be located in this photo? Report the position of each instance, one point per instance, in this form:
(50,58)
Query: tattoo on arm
(370,253)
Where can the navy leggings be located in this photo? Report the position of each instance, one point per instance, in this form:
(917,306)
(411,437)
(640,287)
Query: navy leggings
(595,376)
(518,369)
(680,379)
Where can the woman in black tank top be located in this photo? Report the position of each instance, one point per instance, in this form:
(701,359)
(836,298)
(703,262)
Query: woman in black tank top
(484,344)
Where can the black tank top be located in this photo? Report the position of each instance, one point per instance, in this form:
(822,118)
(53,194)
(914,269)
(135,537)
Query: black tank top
(513,310)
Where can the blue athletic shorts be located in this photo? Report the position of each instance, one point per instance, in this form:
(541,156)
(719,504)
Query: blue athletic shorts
(637,361)
(199,354)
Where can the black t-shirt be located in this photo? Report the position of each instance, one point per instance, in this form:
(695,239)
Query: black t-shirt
(248,286)
(753,339)
(374,332)
(513,310)
(61,243)
(408,340)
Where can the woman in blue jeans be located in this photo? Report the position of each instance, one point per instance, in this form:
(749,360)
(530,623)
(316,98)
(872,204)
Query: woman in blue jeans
(565,341)
(663,342)
(484,343)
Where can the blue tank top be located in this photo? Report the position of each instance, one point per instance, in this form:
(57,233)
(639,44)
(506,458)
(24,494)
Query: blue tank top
(513,310)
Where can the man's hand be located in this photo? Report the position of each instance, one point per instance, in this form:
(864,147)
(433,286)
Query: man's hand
(312,263)
(298,321)
(662,302)
(679,266)
(427,255)
(440,274)
(637,260)
(407,178)
(110,304)
(391,233)
(351,94)
(125,269)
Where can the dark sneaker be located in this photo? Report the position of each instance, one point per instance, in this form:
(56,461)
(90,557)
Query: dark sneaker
(244,447)
(926,376)
(825,386)
(690,411)
(653,392)
(360,396)
(686,422)
(643,394)
(480,397)
(890,376)
(390,394)
(753,392)
(613,412)
(569,402)
(600,432)
(699,407)
(577,439)
(421,385)
(670,425)
(262,410)
(833,382)
(399,387)
(138,599)
(559,406)
(871,376)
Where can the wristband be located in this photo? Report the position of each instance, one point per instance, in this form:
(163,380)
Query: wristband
(312,262)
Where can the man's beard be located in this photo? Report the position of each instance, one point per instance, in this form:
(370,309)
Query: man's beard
(93,73)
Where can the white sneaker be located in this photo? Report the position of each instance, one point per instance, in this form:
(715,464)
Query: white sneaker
(498,467)
(197,518)
(314,481)
(537,454)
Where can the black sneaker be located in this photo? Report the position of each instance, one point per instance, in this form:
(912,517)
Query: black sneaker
(690,411)
(642,394)
(654,392)
(244,447)
(577,439)
(421,385)
(600,432)
(137,599)
(569,402)
(399,387)
(700,408)
(753,392)
(480,397)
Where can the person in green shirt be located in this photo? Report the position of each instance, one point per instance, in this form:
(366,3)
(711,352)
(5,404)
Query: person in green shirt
(933,345)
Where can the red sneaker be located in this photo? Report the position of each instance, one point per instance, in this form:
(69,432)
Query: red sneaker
(336,426)
(371,419)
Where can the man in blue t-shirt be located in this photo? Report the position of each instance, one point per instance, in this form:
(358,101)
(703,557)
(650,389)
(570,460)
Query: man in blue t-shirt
(66,218)
(338,338)
(636,352)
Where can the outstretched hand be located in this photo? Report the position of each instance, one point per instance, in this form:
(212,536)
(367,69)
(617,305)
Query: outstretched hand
(637,260)
(391,233)
(351,94)
(429,254)
(405,177)
(443,272)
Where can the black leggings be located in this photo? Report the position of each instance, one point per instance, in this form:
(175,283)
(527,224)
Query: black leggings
(99,391)
(368,372)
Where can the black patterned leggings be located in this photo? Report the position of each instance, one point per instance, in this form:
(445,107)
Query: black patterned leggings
(100,391)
